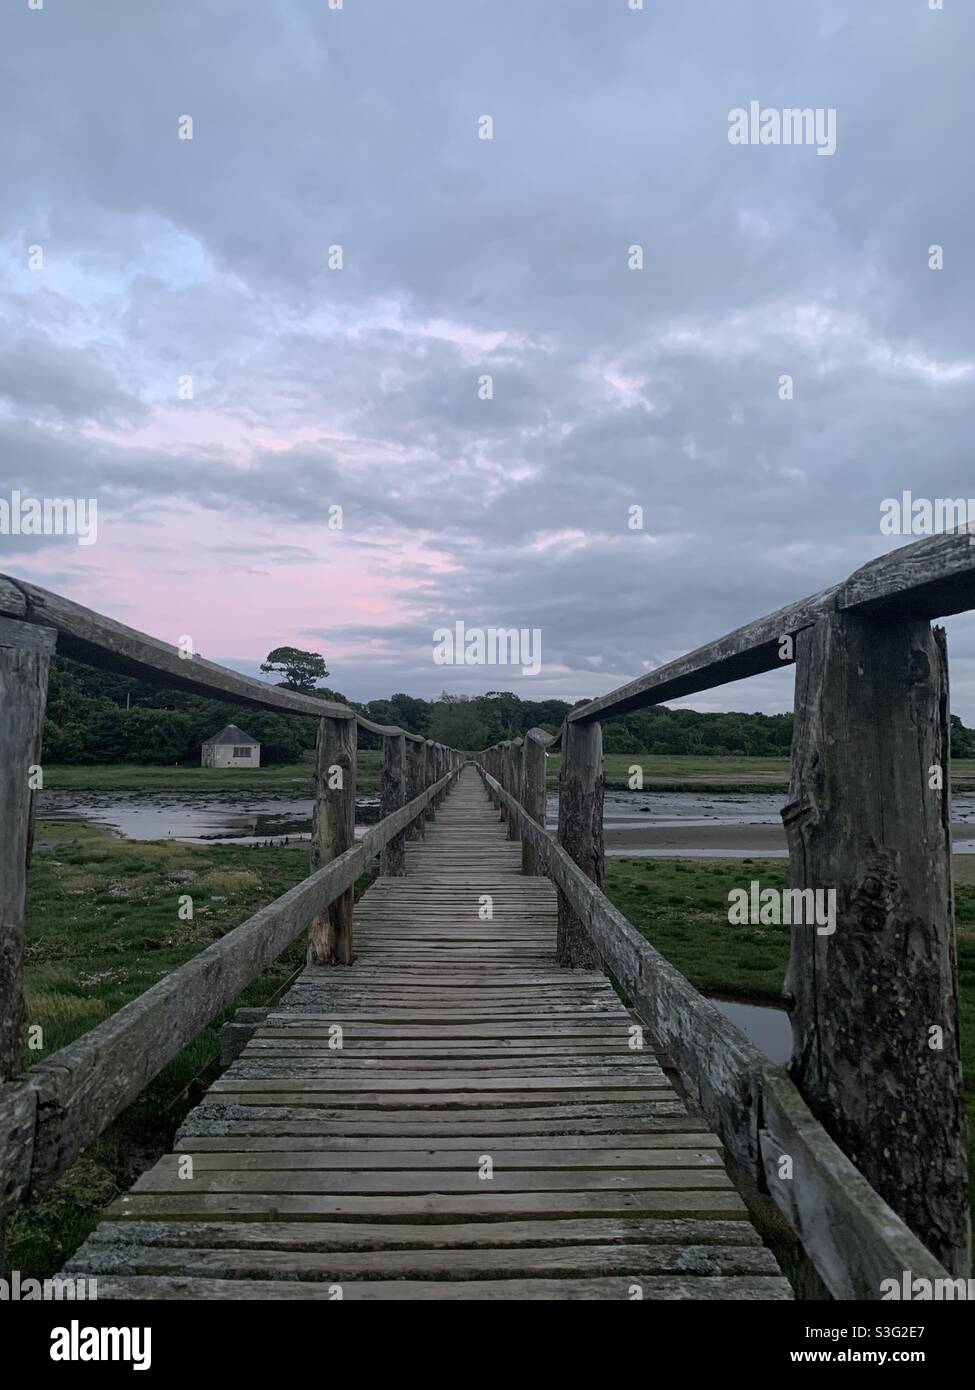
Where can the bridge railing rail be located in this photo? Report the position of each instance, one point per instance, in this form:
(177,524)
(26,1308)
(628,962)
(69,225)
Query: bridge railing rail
(50,1113)
(862,1141)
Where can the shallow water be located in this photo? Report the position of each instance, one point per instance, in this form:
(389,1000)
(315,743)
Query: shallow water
(208,818)
(220,818)
(767,1027)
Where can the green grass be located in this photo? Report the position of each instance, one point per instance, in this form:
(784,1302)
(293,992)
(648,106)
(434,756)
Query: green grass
(103,926)
(681,907)
(133,777)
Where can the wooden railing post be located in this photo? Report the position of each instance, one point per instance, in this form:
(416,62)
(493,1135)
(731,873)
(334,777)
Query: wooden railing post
(580,831)
(414,783)
(502,776)
(392,796)
(874,1001)
(532,797)
(330,936)
(513,774)
(429,774)
(25,655)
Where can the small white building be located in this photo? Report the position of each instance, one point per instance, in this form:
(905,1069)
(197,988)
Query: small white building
(231,748)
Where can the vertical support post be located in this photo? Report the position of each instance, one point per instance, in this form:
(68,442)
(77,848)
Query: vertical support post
(430,775)
(502,776)
(513,780)
(25,656)
(874,1001)
(330,936)
(414,783)
(392,797)
(532,797)
(580,830)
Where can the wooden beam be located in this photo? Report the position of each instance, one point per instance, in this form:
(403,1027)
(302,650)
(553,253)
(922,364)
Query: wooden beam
(756,647)
(392,797)
(581,786)
(875,1009)
(330,936)
(930,579)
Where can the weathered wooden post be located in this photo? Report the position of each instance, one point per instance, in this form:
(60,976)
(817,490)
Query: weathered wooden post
(414,783)
(25,655)
(502,776)
(513,779)
(392,796)
(428,776)
(874,1001)
(580,830)
(532,795)
(330,936)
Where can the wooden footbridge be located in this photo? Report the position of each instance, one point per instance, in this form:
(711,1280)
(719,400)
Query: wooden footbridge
(486,1084)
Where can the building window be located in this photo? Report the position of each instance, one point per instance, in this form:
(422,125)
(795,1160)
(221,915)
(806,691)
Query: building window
(244,752)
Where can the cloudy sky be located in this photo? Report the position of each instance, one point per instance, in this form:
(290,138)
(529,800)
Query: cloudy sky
(315,387)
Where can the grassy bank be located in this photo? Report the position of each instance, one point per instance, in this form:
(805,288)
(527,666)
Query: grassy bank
(681,907)
(295,778)
(103,925)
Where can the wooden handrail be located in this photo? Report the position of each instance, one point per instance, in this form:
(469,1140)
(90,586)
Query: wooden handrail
(92,638)
(931,578)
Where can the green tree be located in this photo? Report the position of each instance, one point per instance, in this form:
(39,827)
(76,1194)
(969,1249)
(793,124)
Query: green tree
(455,723)
(300,669)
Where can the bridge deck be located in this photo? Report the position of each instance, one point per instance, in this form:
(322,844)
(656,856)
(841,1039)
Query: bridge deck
(465,1051)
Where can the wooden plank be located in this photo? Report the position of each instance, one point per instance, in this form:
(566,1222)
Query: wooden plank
(188,1202)
(565,1262)
(667,1287)
(387,1235)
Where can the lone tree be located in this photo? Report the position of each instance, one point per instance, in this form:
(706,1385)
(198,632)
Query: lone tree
(300,669)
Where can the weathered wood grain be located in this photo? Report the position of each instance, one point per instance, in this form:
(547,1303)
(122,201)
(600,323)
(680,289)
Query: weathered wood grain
(581,785)
(25,653)
(868,820)
(330,936)
(852,1236)
(392,796)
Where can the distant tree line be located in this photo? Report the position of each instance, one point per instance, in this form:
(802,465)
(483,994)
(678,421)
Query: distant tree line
(98,717)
